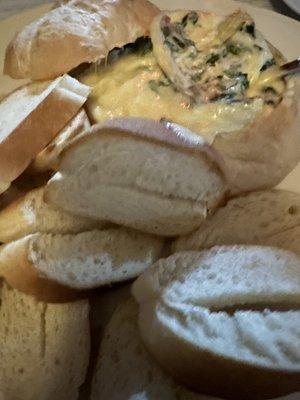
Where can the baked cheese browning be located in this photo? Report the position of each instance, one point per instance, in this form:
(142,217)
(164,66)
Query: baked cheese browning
(212,60)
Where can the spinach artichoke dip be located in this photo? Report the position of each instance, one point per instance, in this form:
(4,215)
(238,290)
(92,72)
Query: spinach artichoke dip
(208,73)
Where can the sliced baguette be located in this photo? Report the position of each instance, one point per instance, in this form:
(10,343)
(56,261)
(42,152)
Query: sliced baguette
(126,371)
(229,315)
(83,261)
(44,349)
(31,117)
(30,214)
(79,31)
(139,173)
(270,218)
(48,158)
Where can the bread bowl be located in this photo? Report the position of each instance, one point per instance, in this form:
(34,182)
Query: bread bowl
(225,321)
(245,112)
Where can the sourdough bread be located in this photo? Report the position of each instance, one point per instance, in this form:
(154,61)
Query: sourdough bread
(270,218)
(39,264)
(44,349)
(79,31)
(229,315)
(31,117)
(142,174)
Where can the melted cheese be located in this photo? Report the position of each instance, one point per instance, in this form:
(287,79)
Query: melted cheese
(124,89)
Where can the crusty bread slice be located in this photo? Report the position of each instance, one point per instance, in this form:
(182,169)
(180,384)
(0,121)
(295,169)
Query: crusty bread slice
(44,348)
(30,214)
(270,218)
(48,158)
(229,315)
(139,173)
(126,371)
(80,31)
(83,261)
(31,117)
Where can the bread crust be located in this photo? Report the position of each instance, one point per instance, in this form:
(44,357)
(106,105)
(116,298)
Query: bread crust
(48,159)
(141,207)
(261,155)
(182,319)
(21,274)
(79,31)
(32,135)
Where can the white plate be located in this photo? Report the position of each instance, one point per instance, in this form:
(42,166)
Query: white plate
(278,29)
(294,5)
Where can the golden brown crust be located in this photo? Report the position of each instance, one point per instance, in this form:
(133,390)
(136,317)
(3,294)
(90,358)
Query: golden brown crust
(21,274)
(80,31)
(261,155)
(217,376)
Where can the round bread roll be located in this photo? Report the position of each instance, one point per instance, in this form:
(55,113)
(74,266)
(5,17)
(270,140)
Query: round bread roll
(141,174)
(225,321)
(270,218)
(79,31)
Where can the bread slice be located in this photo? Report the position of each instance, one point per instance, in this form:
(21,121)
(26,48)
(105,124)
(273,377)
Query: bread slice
(30,214)
(83,261)
(44,349)
(270,218)
(126,371)
(79,31)
(141,174)
(229,315)
(48,158)
(31,117)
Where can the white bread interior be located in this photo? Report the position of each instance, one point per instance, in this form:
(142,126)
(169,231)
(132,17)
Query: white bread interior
(229,315)
(270,218)
(30,214)
(48,158)
(31,117)
(83,261)
(126,371)
(141,174)
(79,31)
(44,349)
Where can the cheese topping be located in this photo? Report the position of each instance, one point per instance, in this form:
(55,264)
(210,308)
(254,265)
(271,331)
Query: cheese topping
(135,86)
(233,81)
